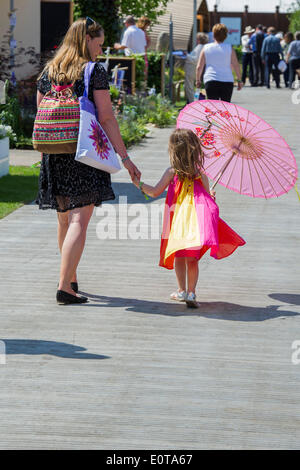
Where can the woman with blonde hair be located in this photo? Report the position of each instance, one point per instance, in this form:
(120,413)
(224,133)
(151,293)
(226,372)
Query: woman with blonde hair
(219,59)
(72,188)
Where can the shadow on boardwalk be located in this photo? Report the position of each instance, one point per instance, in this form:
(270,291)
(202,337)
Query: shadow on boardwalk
(213,310)
(52,348)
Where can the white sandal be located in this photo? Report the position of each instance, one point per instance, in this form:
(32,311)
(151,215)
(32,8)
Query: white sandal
(179,296)
(191,300)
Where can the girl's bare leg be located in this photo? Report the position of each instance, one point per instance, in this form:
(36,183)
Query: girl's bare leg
(73,245)
(62,228)
(192,274)
(180,270)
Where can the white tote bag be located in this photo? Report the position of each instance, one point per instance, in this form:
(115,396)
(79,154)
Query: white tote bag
(93,147)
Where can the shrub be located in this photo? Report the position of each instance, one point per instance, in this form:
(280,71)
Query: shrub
(238,50)
(154,70)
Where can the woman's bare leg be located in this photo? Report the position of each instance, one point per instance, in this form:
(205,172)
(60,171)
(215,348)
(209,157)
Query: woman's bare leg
(192,273)
(62,228)
(73,245)
(180,270)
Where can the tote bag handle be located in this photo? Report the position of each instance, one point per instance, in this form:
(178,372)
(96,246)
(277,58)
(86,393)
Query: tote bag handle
(87,76)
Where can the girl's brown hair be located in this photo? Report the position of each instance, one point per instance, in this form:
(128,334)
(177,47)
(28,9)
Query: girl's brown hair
(186,154)
(143,23)
(72,55)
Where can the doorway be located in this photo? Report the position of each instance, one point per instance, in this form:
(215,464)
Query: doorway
(55,21)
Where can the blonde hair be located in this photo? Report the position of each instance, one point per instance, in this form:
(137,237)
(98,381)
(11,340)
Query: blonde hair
(186,154)
(72,55)
(220,32)
(143,23)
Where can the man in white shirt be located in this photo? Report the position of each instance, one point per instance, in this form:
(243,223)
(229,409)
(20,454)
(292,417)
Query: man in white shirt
(134,40)
(247,55)
(190,67)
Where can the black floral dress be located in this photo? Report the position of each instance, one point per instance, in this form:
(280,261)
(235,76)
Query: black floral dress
(65,183)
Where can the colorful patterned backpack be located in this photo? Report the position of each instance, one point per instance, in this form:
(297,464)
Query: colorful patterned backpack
(56,125)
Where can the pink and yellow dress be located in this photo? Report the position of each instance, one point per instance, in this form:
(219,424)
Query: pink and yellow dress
(192,225)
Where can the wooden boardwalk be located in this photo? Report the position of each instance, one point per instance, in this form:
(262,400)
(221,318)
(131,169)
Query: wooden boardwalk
(131,369)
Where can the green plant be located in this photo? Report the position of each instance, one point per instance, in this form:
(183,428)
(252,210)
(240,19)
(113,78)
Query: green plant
(150,8)
(179,74)
(154,70)
(114,93)
(19,187)
(103,11)
(132,130)
(10,115)
(238,50)
(150,109)
(294,16)
(6,131)
(137,111)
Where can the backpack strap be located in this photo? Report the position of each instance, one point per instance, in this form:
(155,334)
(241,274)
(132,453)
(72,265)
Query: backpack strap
(87,76)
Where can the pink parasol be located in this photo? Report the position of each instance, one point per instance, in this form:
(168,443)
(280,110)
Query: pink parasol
(242,151)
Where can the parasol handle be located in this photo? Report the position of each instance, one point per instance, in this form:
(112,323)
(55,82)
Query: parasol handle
(223,169)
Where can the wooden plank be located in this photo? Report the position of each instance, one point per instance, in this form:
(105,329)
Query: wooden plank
(133,370)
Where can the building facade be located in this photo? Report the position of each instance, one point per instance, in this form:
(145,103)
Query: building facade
(208,14)
(39,24)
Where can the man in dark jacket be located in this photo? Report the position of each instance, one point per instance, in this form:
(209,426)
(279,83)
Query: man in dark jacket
(270,54)
(256,43)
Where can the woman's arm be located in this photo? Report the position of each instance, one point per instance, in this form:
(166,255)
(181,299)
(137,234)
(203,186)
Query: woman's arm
(110,125)
(159,188)
(39,98)
(200,68)
(236,67)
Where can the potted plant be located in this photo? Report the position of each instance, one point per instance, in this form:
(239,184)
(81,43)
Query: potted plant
(6,133)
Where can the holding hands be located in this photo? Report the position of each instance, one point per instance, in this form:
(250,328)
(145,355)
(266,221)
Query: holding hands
(136,180)
(133,171)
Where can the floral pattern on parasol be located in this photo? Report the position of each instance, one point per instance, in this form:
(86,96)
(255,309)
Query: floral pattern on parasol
(241,151)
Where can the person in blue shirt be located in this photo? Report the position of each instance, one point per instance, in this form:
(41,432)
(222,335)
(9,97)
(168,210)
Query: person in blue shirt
(255,44)
(293,57)
(270,54)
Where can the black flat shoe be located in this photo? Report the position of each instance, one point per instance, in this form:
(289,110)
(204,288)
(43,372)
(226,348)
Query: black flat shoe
(74,286)
(64,298)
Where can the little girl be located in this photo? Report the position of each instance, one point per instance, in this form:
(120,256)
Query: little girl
(191,219)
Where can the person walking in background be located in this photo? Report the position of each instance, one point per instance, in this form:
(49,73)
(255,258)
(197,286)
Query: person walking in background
(70,187)
(270,54)
(218,59)
(144,24)
(247,55)
(285,43)
(190,67)
(134,40)
(255,44)
(293,57)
